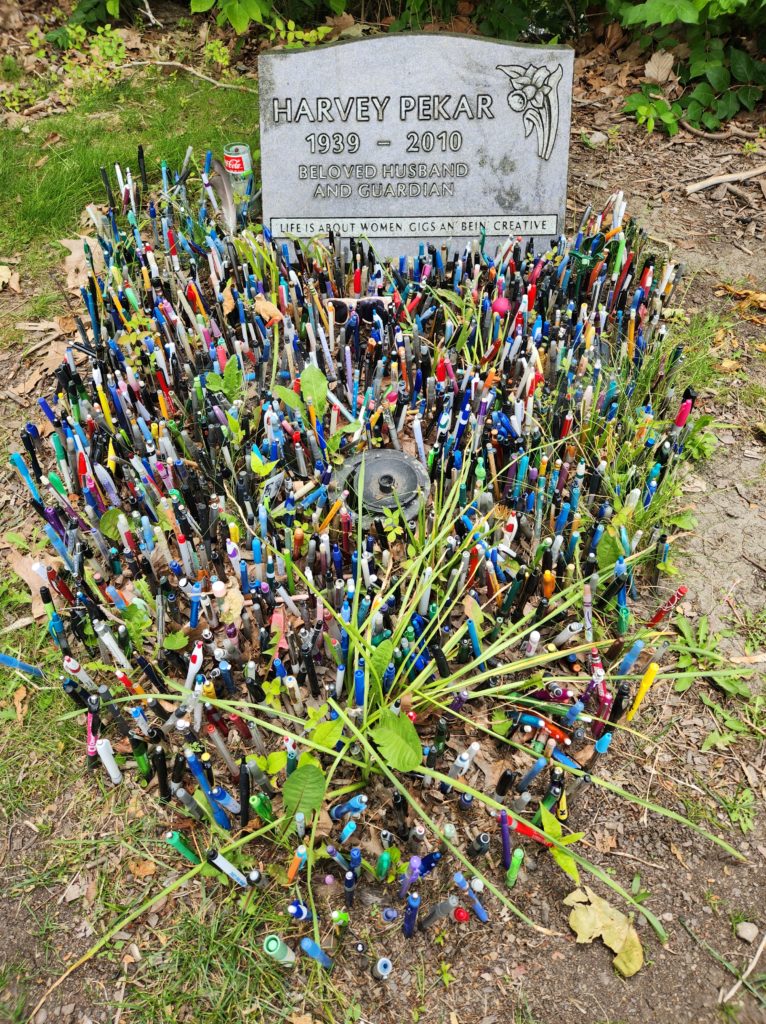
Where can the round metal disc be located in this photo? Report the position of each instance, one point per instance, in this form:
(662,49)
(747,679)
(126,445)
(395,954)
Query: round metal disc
(391,479)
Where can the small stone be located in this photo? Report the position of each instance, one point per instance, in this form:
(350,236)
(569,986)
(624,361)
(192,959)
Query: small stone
(68,1009)
(41,1016)
(746,931)
(596,139)
(667,916)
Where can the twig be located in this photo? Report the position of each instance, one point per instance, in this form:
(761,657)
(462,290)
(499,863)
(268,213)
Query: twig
(735,988)
(733,130)
(752,561)
(191,71)
(719,179)
(150,15)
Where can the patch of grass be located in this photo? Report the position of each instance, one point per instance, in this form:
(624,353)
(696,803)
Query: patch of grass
(753,396)
(13,993)
(39,205)
(754,630)
(210,959)
(37,751)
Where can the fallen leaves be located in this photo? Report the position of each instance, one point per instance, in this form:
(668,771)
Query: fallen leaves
(592,918)
(18,702)
(76,265)
(659,67)
(142,868)
(23,566)
(748,297)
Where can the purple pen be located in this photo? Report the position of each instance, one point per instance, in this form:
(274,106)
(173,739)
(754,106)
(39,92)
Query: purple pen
(505,835)
(412,873)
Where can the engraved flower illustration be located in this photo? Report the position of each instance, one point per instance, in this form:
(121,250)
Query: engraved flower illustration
(529,88)
(534,95)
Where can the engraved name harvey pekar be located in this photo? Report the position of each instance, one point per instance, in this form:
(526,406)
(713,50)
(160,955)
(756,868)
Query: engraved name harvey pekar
(450,130)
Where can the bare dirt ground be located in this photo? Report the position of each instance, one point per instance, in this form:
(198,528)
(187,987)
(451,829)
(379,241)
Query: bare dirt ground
(58,908)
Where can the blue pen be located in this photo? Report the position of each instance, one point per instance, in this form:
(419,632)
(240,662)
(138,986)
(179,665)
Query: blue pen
(10,662)
(410,915)
(315,951)
(526,781)
(195,767)
(463,885)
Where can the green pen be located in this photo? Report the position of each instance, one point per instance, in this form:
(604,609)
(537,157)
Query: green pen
(384,634)
(287,557)
(383,866)
(274,947)
(512,874)
(57,484)
(175,839)
(261,806)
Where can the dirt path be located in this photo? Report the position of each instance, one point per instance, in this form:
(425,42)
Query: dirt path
(505,968)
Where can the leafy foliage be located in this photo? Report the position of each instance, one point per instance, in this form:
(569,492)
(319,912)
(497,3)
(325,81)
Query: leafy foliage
(718,80)
(304,790)
(398,741)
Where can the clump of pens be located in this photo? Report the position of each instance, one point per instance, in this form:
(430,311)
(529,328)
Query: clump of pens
(260,604)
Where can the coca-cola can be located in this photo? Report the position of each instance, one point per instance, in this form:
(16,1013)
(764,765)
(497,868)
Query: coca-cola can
(238,162)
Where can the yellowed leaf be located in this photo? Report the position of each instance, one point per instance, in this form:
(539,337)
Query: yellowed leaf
(592,917)
(18,702)
(142,868)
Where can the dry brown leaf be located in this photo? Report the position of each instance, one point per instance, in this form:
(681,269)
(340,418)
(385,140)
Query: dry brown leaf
(142,868)
(679,856)
(22,566)
(18,702)
(604,842)
(659,67)
(38,326)
(14,283)
(727,365)
(42,161)
(75,265)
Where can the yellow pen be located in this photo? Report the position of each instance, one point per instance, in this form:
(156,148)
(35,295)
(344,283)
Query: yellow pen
(330,515)
(102,401)
(643,689)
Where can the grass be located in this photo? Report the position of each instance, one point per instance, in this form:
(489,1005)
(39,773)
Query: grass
(39,205)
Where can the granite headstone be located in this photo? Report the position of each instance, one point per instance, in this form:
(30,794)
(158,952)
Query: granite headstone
(406,138)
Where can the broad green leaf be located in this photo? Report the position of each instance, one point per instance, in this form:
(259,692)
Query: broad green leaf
(381,656)
(214,382)
(749,95)
(175,641)
(683,521)
(741,65)
(314,386)
(327,734)
(719,740)
(200,6)
(107,524)
(232,379)
(304,790)
(684,627)
(274,762)
(289,397)
(398,741)
(719,78)
(551,824)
